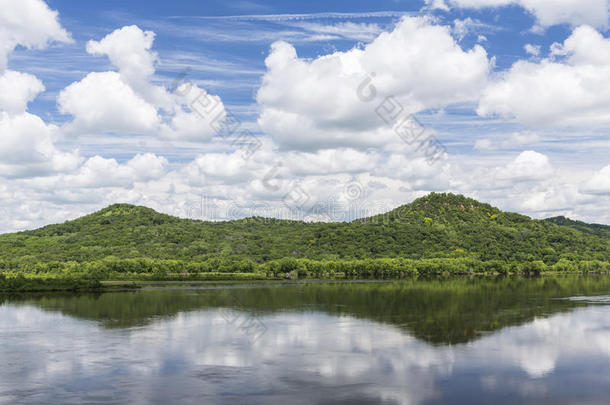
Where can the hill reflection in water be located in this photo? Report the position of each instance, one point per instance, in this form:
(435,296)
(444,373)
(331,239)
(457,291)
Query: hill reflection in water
(416,342)
(438,311)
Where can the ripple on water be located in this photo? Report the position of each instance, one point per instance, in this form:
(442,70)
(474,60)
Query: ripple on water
(600,299)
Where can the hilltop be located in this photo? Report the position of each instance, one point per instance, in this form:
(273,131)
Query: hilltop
(593,229)
(435,226)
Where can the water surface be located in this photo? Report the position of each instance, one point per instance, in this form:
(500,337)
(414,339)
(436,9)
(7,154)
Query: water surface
(542,341)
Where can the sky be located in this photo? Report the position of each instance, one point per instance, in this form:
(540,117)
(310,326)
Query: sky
(320,111)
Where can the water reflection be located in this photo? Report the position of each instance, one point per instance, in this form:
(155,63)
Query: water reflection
(352,344)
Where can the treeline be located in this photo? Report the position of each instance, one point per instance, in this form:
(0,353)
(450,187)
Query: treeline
(396,268)
(20,282)
(114,267)
(222,268)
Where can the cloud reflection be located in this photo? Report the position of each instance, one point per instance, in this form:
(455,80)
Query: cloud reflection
(306,357)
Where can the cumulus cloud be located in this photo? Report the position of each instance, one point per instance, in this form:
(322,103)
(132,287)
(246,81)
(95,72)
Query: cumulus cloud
(17,90)
(191,125)
(331,161)
(217,168)
(530,184)
(129,49)
(127,101)
(529,165)
(546,12)
(466,26)
(509,181)
(27,149)
(29,23)
(103,102)
(100,173)
(552,198)
(319,126)
(148,166)
(572,92)
(437,4)
(533,50)
(415,172)
(599,183)
(314,104)
(26,142)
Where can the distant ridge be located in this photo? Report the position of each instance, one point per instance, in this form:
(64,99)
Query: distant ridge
(434,226)
(593,229)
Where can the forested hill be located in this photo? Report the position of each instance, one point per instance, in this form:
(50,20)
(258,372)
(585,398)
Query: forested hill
(438,225)
(594,229)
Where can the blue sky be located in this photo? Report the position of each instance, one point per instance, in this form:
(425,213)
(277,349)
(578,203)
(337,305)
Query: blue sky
(515,94)
(237,35)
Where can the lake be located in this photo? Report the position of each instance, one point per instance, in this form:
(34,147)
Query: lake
(438,341)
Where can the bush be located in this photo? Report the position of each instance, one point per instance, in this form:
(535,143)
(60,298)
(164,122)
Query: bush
(534,268)
(565,266)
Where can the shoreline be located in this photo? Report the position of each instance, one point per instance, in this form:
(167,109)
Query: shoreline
(50,283)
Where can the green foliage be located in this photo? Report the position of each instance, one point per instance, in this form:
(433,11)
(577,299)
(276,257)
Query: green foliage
(20,282)
(565,266)
(593,229)
(436,234)
(593,266)
(533,268)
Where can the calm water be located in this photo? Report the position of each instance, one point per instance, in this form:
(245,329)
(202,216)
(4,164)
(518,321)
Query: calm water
(424,342)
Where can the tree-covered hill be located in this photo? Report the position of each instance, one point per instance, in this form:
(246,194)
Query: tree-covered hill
(435,226)
(593,229)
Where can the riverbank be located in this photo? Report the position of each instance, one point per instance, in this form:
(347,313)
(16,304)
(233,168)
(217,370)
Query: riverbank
(20,282)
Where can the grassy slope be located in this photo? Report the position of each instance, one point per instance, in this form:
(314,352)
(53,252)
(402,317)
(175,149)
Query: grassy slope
(439,225)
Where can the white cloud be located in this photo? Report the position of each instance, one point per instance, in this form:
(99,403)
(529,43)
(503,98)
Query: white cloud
(574,12)
(552,198)
(148,166)
(331,161)
(98,172)
(546,12)
(129,49)
(528,183)
(533,50)
(570,93)
(437,4)
(191,126)
(585,46)
(103,102)
(320,128)
(127,101)
(529,165)
(217,168)
(313,104)
(17,90)
(466,26)
(27,149)
(29,23)
(26,142)
(416,172)
(599,183)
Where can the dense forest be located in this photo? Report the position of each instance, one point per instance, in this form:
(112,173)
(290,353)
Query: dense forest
(436,234)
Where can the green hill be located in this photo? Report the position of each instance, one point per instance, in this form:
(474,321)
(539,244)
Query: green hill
(593,229)
(435,226)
